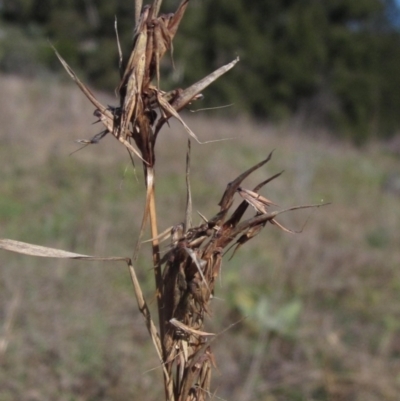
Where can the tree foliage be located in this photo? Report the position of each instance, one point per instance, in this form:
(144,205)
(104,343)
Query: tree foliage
(335,62)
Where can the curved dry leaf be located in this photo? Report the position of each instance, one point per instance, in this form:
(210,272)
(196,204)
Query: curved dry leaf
(259,203)
(188,329)
(95,139)
(188,214)
(261,218)
(172,112)
(105,115)
(81,85)
(177,18)
(227,198)
(120,55)
(198,262)
(26,248)
(161,237)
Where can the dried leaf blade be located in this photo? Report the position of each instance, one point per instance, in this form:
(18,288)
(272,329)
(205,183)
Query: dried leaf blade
(187,329)
(26,248)
(189,93)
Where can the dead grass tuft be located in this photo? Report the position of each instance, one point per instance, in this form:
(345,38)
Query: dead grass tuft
(186,272)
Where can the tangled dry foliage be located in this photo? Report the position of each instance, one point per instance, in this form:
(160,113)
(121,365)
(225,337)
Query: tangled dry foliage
(186,274)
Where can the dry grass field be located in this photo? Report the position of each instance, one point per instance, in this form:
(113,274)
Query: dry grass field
(317,313)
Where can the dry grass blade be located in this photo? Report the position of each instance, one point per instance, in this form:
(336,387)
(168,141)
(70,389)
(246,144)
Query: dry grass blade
(261,218)
(149,196)
(258,202)
(259,186)
(120,57)
(138,8)
(108,122)
(150,210)
(196,359)
(138,53)
(143,18)
(155,9)
(41,251)
(227,197)
(172,112)
(95,139)
(241,209)
(188,94)
(199,264)
(82,86)
(144,309)
(162,42)
(46,252)
(188,217)
(133,80)
(177,18)
(131,148)
(189,330)
(283,228)
(161,237)
(164,104)
(105,115)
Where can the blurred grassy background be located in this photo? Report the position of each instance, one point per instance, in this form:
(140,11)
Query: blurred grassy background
(322,307)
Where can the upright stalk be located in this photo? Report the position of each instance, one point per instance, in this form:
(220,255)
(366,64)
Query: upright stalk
(155,249)
(186,275)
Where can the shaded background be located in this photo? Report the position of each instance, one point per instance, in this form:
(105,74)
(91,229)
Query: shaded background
(333,62)
(315,81)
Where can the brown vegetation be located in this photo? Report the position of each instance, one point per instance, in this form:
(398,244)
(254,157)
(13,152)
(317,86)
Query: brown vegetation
(313,302)
(71,332)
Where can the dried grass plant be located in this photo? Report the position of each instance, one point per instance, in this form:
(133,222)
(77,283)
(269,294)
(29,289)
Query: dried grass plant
(186,274)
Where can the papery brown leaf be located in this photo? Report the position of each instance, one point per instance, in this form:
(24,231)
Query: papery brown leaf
(172,112)
(120,56)
(176,19)
(189,93)
(188,213)
(138,8)
(95,139)
(155,8)
(26,248)
(188,329)
(132,80)
(107,120)
(149,195)
(198,262)
(254,199)
(227,198)
(82,86)
(283,228)
(241,209)
(259,219)
(195,359)
(161,43)
(155,336)
(138,51)
(105,114)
